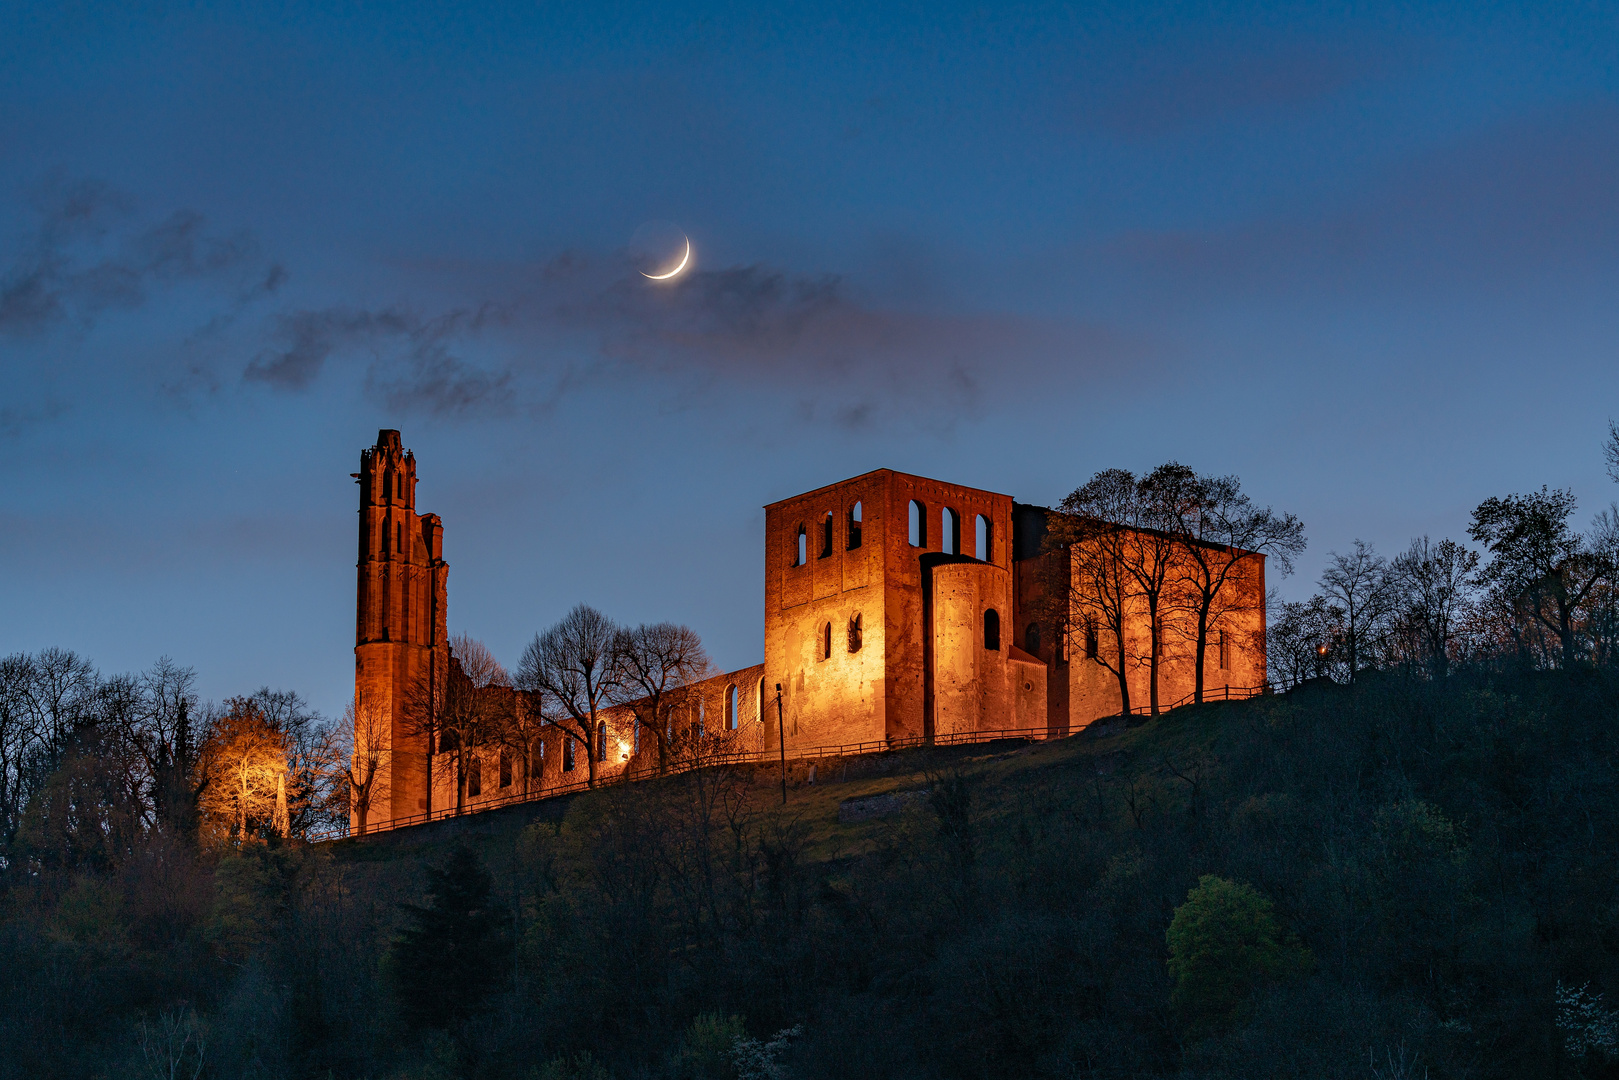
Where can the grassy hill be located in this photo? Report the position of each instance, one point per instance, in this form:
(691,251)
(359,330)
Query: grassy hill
(1404,874)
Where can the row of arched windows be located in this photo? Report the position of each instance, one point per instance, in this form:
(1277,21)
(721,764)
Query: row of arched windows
(799,555)
(950,531)
(949,534)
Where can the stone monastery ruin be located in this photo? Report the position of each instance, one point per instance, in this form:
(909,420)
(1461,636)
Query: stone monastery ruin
(897,609)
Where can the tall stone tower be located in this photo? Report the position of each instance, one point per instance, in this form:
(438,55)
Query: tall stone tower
(400,647)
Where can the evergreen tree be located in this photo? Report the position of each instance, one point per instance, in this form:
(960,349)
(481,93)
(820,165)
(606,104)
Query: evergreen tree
(455,953)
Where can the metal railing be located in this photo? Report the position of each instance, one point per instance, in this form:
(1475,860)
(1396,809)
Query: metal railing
(1224,693)
(1210,693)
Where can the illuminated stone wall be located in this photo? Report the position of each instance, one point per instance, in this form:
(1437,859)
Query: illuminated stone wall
(399,620)
(1083,690)
(890,687)
(896,607)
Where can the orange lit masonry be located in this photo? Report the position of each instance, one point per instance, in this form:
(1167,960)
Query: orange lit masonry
(897,609)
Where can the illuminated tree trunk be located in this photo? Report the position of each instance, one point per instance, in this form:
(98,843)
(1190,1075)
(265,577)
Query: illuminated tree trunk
(281,825)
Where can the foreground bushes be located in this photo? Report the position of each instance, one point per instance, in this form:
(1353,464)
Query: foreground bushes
(1406,871)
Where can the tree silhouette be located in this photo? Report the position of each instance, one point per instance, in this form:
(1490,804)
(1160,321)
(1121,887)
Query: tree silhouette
(576,665)
(451,957)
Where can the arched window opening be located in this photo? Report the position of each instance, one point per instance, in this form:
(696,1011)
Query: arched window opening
(399,485)
(801,548)
(536,759)
(700,718)
(730,708)
(826,641)
(856,633)
(826,535)
(601,741)
(1031,639)
(567,754)
(949,532)
(505,768)
(475,777)
(399,538)
(981,538)
(855,515)
(992,630)
(919,525)
(1092,645)
(760,715)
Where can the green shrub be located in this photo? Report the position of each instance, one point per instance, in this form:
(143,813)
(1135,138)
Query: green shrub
(706,1050)
(1224,943)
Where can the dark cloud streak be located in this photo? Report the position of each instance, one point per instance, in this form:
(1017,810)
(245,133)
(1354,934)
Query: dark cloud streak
(90,253)
(579,321)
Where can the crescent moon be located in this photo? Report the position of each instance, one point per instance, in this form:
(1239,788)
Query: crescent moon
(683,260)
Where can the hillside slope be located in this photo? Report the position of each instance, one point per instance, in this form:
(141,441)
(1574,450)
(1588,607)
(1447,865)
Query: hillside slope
(1437,857)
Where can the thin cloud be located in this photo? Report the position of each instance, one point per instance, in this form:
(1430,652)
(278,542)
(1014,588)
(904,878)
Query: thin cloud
(412,367)
(90,251)
(578,321)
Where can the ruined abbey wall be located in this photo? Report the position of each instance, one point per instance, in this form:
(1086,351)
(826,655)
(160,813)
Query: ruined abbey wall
(896,607)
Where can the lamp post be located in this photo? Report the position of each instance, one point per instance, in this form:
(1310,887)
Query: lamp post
(781,742)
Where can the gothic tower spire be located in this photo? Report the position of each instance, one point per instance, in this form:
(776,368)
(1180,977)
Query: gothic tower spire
(400,649)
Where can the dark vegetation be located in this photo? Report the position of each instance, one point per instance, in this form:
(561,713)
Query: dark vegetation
(1405,870)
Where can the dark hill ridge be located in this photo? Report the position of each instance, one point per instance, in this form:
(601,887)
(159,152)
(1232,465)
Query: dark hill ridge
(1410,868)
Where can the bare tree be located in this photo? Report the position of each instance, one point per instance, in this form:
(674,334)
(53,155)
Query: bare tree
(656,662)
(1088,591)
(1301,638)
(576,665)
(16,737)
(1220,530)
(1610,451)
(175,1047)
(1126,521)
(1602,606)
(454,708)
(314,754)
(246,759)
(170,742)
(366,776)
(1359,584)
(477,662)
(476,705)
(1434,584)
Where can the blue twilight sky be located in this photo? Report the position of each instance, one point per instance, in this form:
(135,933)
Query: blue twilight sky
(1363,256)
